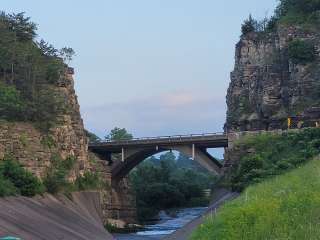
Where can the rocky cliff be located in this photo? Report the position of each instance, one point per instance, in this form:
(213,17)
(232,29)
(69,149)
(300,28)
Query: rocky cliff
(268,85)
(35,149)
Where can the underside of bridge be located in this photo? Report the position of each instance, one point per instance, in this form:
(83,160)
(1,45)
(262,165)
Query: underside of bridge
(134,152)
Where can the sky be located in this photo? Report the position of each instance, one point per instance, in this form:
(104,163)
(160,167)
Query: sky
(154,67)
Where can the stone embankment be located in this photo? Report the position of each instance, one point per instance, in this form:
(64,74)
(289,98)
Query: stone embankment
(53,217)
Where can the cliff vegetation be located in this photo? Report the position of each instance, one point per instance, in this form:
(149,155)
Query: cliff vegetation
(269,154)
(29,70)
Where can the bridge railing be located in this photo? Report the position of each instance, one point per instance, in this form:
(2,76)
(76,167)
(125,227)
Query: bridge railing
(176,137)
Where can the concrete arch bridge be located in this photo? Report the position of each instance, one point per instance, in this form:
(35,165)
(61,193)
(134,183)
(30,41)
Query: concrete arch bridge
(136,150)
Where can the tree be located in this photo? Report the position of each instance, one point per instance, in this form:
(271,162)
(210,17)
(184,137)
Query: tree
(93,138)
(119,134)
(301,51)
(11,105)
(249,25)
(297,6)
(67,54)
(47,49)
(25,29)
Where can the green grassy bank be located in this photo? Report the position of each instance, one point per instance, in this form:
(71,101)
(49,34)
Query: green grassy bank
(284,206)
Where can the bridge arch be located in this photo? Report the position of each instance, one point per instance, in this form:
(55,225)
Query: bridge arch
(122,169)
(135,151)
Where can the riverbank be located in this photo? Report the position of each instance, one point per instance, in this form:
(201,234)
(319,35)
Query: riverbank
(182,225)
(220,196)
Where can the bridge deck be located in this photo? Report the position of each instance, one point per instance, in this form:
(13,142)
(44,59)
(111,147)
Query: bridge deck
(207,140)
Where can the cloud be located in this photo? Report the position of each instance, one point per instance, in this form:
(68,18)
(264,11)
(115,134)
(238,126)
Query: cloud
(166,114)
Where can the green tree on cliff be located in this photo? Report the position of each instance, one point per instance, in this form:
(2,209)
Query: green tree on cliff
(249,25)
(119,134)
(31,70)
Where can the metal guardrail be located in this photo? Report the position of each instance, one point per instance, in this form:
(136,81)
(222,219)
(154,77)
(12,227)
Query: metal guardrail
(175,137)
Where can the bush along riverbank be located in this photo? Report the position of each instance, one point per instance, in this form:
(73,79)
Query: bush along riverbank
(16,181)
(166,182)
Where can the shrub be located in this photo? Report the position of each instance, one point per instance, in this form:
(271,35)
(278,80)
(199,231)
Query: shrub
(89,181)
(25,182)
(273,155)
(248,26)
(11,104)
(56,177)
(301,51)
(7,188)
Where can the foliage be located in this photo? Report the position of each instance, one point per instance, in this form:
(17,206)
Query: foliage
(56,176)
(301,12)
(119,134)
(67,53)
(249,25)
(48,141)
(301,51)
(89,181)
(11,104)
(7,188)
(162,184)
(93,138)
(284,207)
(273,155)
(265,25)
(16,180)
(28,72)
(297,6)
(44,99)
(305,13)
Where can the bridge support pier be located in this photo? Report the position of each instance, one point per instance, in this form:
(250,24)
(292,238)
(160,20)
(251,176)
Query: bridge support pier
(202,156)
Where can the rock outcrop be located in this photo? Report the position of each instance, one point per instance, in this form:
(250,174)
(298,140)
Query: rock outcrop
(34,148)
(267,87)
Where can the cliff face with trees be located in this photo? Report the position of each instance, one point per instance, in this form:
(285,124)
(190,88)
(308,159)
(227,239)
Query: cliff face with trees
(276,74)
(39,111)
(41,128)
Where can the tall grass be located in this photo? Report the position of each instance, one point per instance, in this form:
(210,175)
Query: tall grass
(284,207)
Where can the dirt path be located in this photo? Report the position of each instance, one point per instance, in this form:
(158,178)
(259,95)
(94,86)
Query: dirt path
(220,196)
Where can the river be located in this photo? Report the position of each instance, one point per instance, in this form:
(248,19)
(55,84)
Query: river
(168,223)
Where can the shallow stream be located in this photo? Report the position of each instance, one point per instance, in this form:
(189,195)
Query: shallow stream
(168,223)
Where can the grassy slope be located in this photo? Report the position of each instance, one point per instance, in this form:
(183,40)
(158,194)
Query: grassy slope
(284,207)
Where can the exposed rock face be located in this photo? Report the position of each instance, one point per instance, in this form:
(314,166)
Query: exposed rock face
(34,149)
(118,202)
(267,87)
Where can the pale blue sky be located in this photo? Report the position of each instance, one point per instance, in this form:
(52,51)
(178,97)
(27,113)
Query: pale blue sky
(156,67)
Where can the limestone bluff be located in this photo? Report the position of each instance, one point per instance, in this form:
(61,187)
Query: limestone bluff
(267,86)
